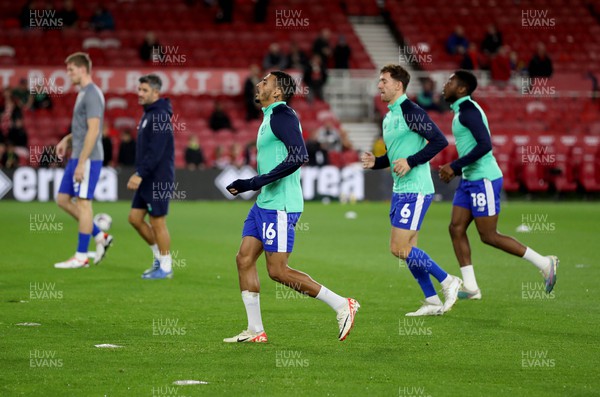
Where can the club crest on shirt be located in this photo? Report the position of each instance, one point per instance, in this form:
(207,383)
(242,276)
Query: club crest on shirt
(262,129)
(144,123)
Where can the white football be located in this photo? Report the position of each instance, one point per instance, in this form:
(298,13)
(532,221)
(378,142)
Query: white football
(103,221)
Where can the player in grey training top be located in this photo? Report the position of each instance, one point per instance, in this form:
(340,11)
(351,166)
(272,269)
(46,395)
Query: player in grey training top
(83,169)
(89,104)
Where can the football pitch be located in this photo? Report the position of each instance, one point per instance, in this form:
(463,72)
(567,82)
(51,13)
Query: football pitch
(516,341)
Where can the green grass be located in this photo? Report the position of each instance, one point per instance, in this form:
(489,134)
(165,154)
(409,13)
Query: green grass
(475,350)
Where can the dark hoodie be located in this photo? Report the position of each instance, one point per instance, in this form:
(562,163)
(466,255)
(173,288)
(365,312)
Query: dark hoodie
(155,149)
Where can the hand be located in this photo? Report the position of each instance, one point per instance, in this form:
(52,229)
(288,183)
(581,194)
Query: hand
(79,172)
(401,167)
(134,182)
(61,147)
(368,160)
(240,186)
(446,173)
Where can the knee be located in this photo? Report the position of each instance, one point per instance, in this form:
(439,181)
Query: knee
(134,221)
(456,229)
(63,201)
(400,250)
(243,261)
(489,238)
(278,275)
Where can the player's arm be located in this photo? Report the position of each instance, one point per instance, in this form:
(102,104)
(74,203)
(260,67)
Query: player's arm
(431,132)
(370,162)
(286,128)
(471,118)
(61,147)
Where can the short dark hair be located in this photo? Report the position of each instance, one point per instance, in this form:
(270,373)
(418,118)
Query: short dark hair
(467,80)
(152,80)
(286,83)
(80,59)
(397,73)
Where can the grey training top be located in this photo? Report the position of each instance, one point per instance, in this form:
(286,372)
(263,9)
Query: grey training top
(89,104)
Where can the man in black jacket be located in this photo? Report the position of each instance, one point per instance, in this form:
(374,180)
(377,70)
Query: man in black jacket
(154,179)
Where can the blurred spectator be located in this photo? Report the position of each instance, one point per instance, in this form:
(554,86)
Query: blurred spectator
(250,154)
(21,96)
(219,119)
(345,138)
(540,65)
(41,99)
(25,15)
(321,46)
(329,137)
(9,159)
(500,67)
(516,64)
(456,41)
(222,158)
(225,11)
(260,10)
(127,149)
(16,133)
(379,148)
(315,77)
(194,156)
(147,46)
(317,155)
(470,60)
(252,108)
(342,54)
(427,98)
(238,157)
(6,102)
(274,58)
(68,15)
(492,41)
(102,20)
(296,59)
(107,145)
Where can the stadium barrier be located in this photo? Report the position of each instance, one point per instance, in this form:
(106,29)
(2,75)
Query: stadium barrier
(347,184)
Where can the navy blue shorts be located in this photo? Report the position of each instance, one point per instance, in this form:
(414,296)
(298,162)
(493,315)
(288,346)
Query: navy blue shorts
(85,189)
(155,201)
(276,229)
(408,210)
(482,197)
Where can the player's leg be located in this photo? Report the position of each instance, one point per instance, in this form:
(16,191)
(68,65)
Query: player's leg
(246,257)
(279,236)
(137,219)
(460,220)
(163,241)
(487,228)
(82,211)
(406,215)
(486,219)
(65,203)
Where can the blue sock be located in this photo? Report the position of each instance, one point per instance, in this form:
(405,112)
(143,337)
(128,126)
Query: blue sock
(95,230)
(83,242)
(419,271)
(421,258)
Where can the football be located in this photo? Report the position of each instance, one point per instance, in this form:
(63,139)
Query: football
(103,221)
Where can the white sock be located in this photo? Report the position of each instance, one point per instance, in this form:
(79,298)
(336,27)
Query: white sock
(468,276)
(434,300)
(155,251)
(81,256)
(446,282)
(165,263)
(539,261)
(252,303)
(334,301)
